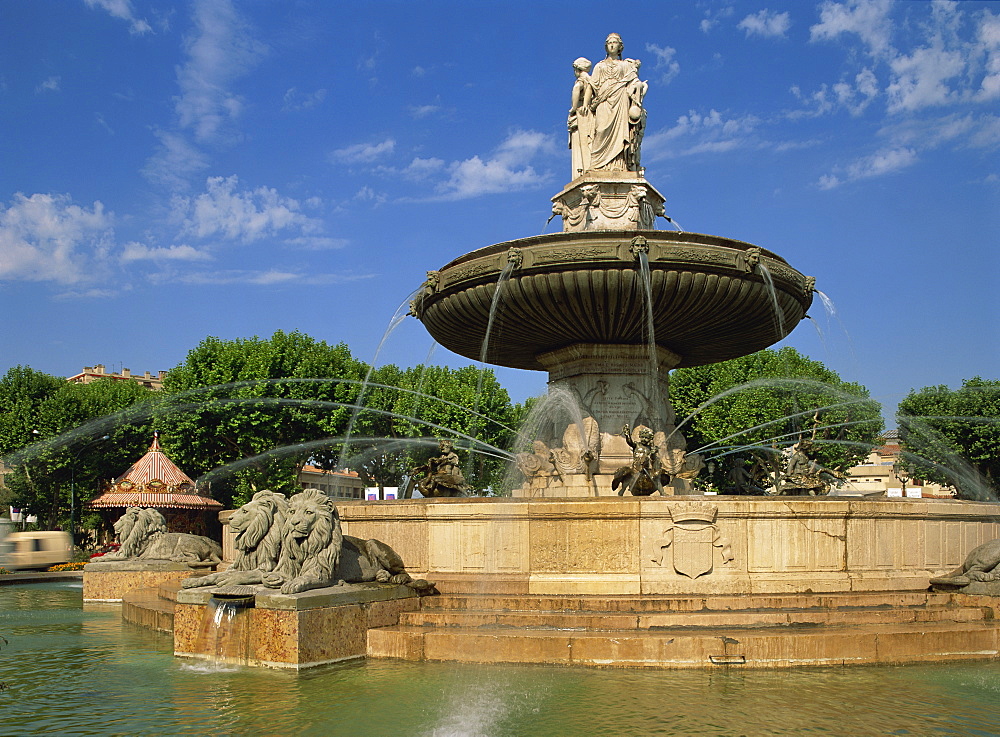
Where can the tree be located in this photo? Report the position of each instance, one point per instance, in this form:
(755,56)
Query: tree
(747,409)
(953,436)
(259,408)
(53,435)
(415,406)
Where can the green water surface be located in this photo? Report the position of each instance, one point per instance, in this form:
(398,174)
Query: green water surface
(68,671)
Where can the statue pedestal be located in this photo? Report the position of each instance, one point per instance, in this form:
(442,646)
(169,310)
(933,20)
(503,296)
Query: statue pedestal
(294,631)
(110,581)
(607,200)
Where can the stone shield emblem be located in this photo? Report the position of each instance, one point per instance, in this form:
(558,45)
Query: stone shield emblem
(692,539)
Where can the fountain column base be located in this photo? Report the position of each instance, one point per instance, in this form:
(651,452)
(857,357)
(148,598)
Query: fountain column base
(594,391)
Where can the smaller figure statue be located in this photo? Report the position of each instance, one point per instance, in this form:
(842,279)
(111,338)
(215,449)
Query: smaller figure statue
(442,475)
(803,474)
(143,535)
(645,474)
(580,123)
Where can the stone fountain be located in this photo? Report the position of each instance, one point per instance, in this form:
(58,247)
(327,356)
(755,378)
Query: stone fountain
(610,305)
(568,572)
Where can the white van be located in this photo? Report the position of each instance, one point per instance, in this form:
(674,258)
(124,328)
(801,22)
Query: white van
(34,550)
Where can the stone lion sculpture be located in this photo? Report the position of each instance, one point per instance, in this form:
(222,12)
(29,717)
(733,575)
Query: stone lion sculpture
(143,535)
(315,553)
(981,565)
(258,526)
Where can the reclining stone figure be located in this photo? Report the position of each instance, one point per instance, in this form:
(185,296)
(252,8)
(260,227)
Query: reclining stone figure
(312,551)
(143,536)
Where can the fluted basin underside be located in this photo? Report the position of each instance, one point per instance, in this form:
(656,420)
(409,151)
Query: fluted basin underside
(711,300)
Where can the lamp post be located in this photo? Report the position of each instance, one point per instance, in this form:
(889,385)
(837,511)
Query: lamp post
(72,488)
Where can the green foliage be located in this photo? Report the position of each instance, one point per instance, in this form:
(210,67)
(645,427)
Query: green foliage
(789,396)
(233,400)
(953,436)
(430,402)
(52,435)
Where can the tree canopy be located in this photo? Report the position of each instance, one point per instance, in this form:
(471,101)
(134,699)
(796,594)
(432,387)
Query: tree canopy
(747,409)
(260,407)
(953,436)
(421,403)
(53,434)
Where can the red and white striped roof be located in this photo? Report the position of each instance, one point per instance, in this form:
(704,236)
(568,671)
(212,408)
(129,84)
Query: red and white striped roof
(154,466)
(146,499)
(153,481)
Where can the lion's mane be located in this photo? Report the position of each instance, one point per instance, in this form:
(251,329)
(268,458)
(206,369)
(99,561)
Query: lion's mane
(310,561)
(136,528)
(259,524)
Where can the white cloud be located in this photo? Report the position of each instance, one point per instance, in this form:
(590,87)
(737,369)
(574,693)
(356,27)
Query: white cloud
(49,85)
(853,96)
(766,23)
(223,211)
(295,100)
(423,111)
(175,162)
(422,168)
(46,237)
(139,252)
(506,170)
(665,61)
(942,64)
(219,51)
(963,131)
(316,242)
(122,9)
(713,17)
(363,153)
(265,277)
(886,161)
(919,80)
(702,133)
(988,37)
(869,19)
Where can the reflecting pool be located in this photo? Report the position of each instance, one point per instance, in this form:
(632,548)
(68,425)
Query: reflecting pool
(76,672)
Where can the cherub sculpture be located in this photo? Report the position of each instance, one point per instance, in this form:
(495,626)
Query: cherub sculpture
(644,474)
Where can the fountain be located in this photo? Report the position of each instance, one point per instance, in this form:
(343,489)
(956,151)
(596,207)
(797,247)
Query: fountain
(567,571)
(603,556)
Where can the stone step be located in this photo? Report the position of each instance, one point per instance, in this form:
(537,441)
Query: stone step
(146,608)
(685,648)
(606,621)
(686,603)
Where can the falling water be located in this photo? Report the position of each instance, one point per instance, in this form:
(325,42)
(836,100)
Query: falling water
(819,332)
(224,637)
(654,364)
(673,222)
(504,277)
(397,319)
(779,316)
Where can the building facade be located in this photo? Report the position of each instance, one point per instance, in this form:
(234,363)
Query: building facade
(94,373)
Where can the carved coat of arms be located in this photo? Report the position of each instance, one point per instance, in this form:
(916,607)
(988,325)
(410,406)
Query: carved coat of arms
(692,540)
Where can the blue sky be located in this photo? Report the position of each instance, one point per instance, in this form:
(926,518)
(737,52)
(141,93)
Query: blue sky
(170,171)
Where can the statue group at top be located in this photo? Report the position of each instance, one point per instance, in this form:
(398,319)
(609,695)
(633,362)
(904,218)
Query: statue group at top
(606,118)
(606,123)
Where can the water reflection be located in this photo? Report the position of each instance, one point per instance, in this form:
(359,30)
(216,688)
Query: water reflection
(83,672)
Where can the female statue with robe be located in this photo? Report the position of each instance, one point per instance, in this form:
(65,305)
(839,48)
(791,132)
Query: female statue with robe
(616,102)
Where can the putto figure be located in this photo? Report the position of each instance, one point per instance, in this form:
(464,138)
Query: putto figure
(441,474)
(645,474)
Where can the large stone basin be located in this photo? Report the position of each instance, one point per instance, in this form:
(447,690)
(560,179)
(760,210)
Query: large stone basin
(711,300)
